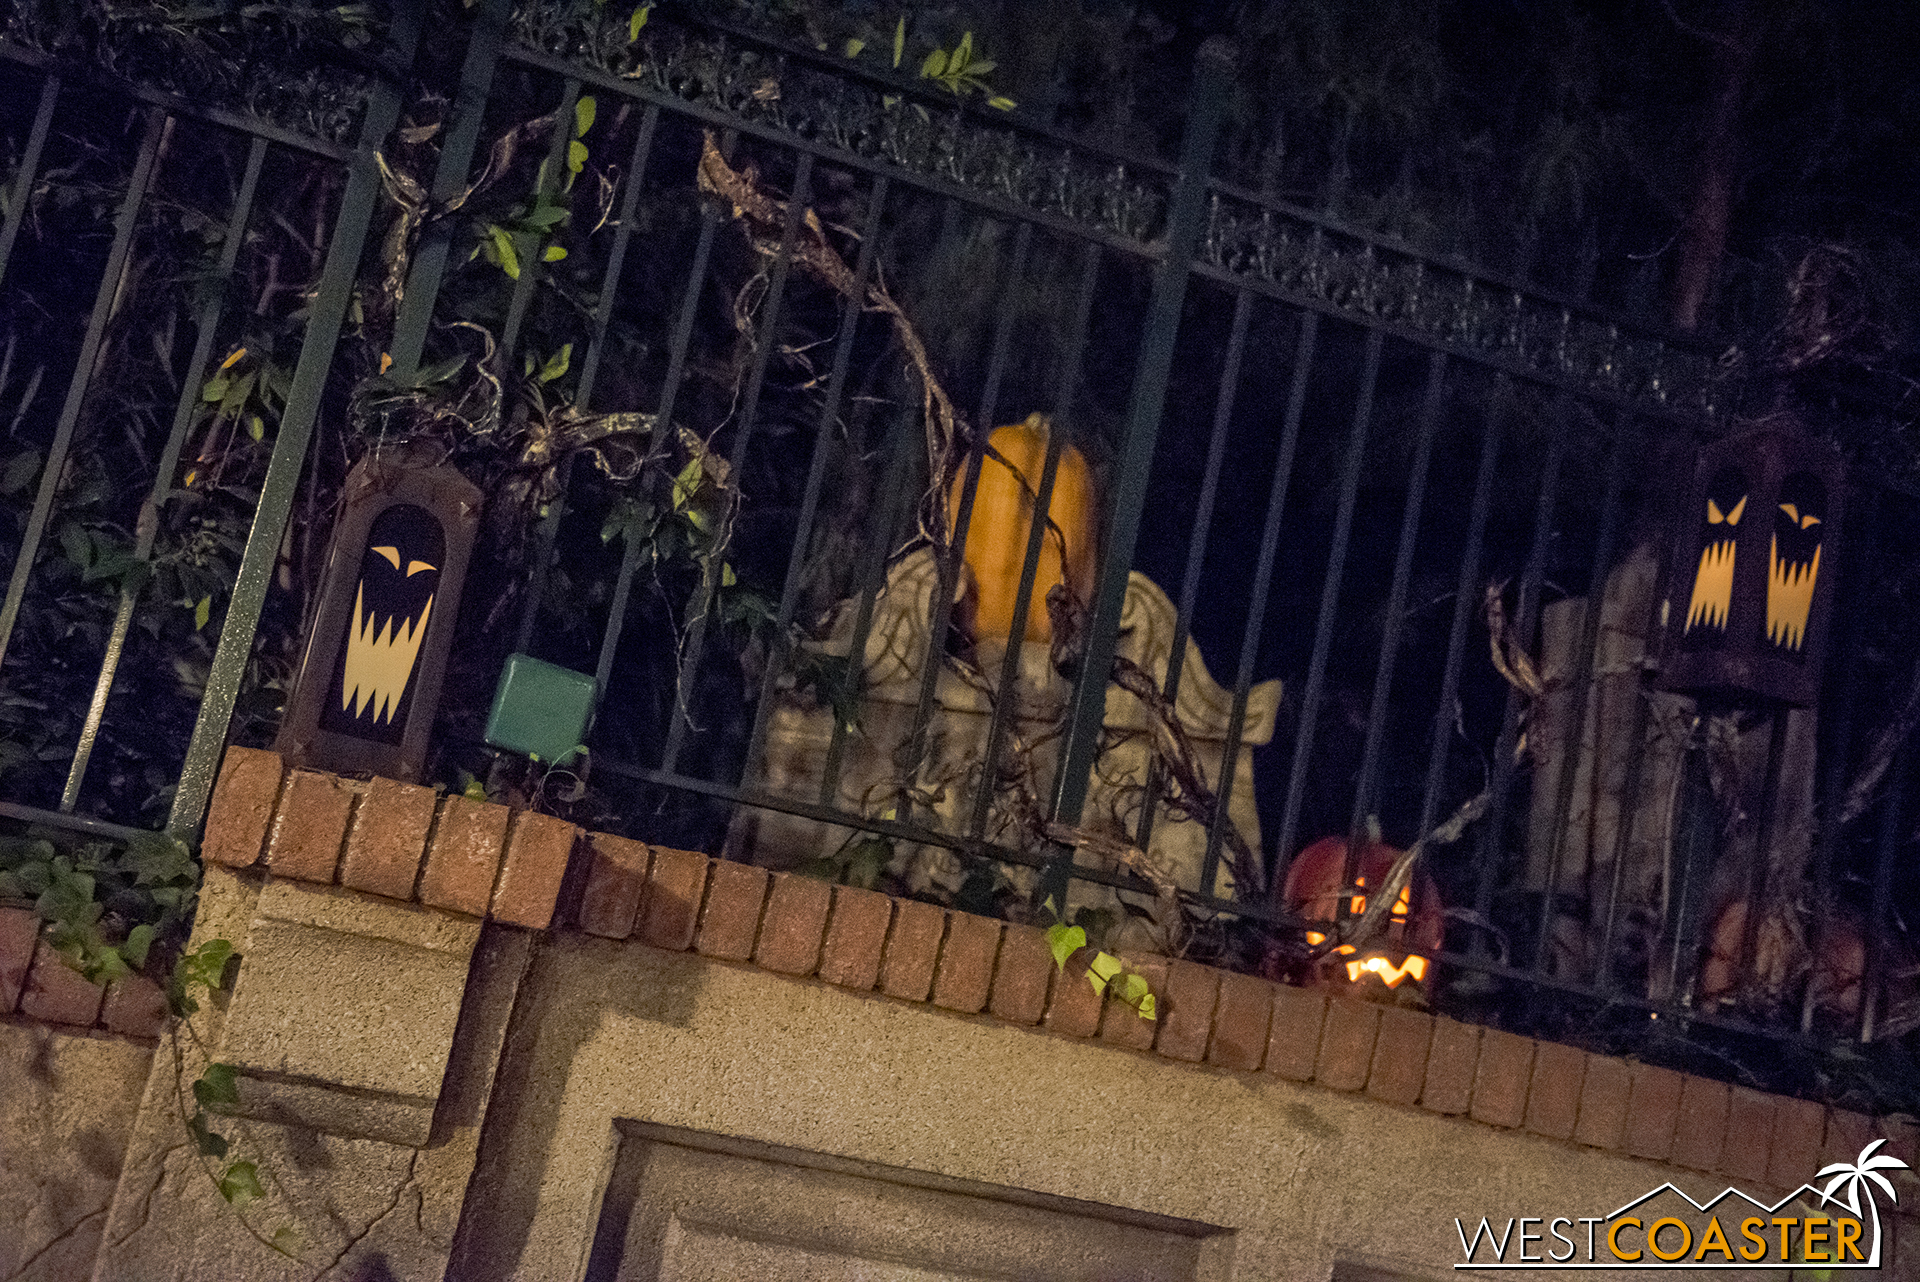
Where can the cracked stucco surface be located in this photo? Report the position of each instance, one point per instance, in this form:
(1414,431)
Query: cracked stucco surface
(358,1208)
(67,1104)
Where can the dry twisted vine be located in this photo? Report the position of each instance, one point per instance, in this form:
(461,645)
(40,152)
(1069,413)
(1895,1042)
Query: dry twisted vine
(948,436)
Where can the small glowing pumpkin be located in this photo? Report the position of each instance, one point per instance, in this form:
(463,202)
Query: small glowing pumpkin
(997,533)
(1316,883)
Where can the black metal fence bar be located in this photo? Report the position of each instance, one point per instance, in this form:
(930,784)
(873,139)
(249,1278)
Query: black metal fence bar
(1581,679)
(29,172)
(1224,398)
(1892,818)
(1212,78)
(1065,385)
(617,256)
(1864,515)
(324,320)
(821,147)
(1356,457)
(1466,597)
(531,270)
(1304,348)
(71,822)
(1526,617)
(872,572)
(125,224)
(1635,765)
(941,620)
(1381,706)
(850,312)
(176,106)
(1489,353)
(669,395)
(449,180)
(768,335)
(148,527)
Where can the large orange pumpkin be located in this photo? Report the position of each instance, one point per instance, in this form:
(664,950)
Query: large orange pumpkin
(996,547)
(1316,883)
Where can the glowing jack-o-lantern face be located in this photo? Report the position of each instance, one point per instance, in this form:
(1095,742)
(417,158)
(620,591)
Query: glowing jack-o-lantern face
(392,605)
(1793,560)
(1747,609)
(1315,886)
(1712,596)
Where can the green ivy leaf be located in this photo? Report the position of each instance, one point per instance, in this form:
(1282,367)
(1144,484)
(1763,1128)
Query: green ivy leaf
(440,371)
(1001,102)
(867,859)
(935,66)
(557,364)
(210,1143)
(583,111)
(687,484)
(899,40)
(217,1089)
(202,611)
(543,217)
(68,897)
(240,1184)
(553,254)
(637,21)
(854,46)
(576,156)
(139,941)
(502,241)
(205,966)
(20,470)
(1064,941)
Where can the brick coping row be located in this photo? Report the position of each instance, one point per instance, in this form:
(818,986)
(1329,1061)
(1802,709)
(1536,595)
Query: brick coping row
(406,842)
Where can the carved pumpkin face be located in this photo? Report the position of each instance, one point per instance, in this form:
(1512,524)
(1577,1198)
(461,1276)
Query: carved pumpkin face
(1315,885)
(392,604)
(1793,560)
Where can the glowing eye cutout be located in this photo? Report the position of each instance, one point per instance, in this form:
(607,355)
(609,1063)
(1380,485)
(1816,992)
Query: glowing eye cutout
(413,567)
(1808,521)
(1793,513)
(1732,517)
(392,555)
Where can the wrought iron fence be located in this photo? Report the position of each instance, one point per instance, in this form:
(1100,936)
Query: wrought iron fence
(1317,450)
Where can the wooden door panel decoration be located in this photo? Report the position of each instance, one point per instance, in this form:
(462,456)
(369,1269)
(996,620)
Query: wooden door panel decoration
(367,689)
(1750,591)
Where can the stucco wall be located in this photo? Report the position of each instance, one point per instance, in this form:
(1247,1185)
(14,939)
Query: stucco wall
(1302,1176)
(67,1107)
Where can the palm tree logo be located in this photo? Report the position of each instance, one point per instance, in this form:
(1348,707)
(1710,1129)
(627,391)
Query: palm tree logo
(1854,1177)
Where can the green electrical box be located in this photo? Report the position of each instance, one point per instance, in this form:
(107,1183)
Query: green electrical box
(540,709)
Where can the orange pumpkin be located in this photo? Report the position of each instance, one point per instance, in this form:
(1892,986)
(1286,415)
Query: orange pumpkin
(1837,975)
(1316,883)
(997,533)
